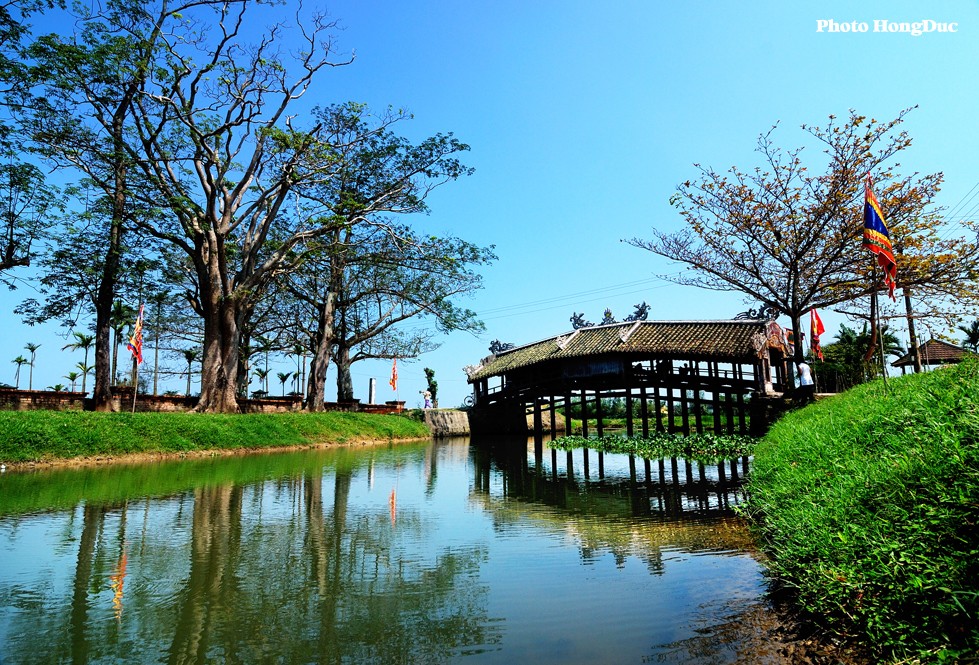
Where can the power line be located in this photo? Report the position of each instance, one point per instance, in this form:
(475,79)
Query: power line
(551,299)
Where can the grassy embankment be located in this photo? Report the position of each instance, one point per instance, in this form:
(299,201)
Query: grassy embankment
(38,436)
(868,504)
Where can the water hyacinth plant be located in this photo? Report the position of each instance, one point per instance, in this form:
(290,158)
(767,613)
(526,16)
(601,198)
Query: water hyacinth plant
(706,447)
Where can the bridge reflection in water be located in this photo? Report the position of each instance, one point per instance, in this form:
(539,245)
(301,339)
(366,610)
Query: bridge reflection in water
(583,479)
(442,552)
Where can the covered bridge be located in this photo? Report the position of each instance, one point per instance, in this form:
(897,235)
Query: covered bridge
(673,375)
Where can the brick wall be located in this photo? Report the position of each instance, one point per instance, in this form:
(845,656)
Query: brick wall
(122,400)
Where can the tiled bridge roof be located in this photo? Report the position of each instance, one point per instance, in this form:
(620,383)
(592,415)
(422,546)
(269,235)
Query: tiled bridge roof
(730,340)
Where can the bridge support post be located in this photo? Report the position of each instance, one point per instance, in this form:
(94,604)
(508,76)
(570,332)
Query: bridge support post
(629,428)
(584,413)
(553,413)
(568,429)
(538,429)
(644,413)
(599,415)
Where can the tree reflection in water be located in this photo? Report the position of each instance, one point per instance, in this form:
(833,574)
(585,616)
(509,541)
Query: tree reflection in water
(267,571)
(491,556)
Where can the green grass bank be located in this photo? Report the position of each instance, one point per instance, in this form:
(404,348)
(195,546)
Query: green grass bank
(868,504)
(42,436)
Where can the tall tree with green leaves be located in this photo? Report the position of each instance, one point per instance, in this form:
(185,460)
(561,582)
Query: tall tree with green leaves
(121,317)
(219,151)
(84,369)
(401,277)
(72,379)
(190,355)
(28,204)
(283,378)
(83,119)
(433,385)
(377,174)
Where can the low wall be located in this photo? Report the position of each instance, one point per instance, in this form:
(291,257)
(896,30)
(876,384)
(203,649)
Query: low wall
(446,422)
(12,399)
(122,400)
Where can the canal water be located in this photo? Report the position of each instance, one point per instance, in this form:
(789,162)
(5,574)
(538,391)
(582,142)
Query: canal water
(437,552)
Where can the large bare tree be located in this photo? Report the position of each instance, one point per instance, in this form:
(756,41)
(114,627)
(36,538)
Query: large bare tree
(219,152)
(787,233)
(82,118)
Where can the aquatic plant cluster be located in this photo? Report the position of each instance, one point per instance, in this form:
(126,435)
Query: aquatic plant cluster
(707,448)
(868,506)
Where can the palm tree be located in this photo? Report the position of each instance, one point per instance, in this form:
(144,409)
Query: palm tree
(264,345)
(58,387)
(845,358)
(82,341)
(20,361)
(190,355)
(300,352)
(73,378)
(30,346)
(971,340)
(263,376)
(85,370)
(283,377)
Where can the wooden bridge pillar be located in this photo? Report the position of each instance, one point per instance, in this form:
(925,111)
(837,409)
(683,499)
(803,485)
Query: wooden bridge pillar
(584,413)
(629,429)
(599,414)
(538,428)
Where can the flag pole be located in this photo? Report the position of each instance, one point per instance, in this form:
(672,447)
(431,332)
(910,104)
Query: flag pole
(135,382)
(876,336)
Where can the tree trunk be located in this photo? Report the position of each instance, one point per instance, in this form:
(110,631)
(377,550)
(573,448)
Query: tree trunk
(107,286)
(913,337)
(244,369)
(115,355)
(219,366)
(103,358)
(316,384)
(345,385)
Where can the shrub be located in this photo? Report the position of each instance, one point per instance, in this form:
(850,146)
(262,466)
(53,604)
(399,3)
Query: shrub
(868,505)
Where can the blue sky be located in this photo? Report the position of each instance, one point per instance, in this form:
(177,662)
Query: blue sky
(583,117)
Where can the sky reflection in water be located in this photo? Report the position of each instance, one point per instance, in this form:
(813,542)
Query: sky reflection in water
(444,552)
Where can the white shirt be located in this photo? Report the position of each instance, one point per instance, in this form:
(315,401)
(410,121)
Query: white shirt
(805,374)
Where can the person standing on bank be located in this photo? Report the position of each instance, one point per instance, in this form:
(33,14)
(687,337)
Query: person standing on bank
(807,388)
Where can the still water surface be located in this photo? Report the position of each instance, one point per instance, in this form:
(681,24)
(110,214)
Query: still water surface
(420,553)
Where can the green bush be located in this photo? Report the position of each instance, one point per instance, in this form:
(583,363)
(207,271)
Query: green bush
(706,447)
(868,505)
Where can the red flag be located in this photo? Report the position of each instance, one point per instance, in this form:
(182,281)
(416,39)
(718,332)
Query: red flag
(816,329)
(394,375)
(136,341)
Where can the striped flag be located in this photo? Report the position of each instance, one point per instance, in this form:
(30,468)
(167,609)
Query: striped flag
(136,341)
(394,375)
(876,238)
